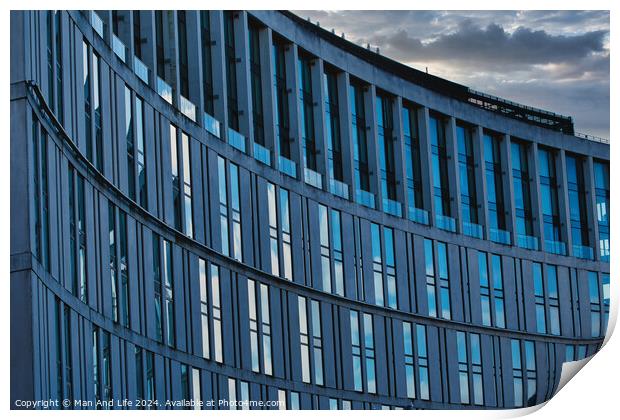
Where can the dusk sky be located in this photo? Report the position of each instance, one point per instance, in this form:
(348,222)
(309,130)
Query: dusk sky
(555,60)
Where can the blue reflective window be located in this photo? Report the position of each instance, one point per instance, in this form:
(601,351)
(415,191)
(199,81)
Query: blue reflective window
(422,362)
(538,281)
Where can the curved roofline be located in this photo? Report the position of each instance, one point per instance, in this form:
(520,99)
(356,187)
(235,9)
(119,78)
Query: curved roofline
(442,86)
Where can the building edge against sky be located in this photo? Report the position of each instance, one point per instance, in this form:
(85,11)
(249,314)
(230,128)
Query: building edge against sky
(243,206)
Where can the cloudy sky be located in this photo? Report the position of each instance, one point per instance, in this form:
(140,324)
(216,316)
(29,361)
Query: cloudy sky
(555,60)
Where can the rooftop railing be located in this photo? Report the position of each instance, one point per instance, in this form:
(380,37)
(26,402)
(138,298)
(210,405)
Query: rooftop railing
(592,138)
(522,112)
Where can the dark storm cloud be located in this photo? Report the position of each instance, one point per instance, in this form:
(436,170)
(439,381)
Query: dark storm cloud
(495,45)
(556,60)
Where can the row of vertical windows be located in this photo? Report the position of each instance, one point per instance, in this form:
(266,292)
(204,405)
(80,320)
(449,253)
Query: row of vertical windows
(382,245)
(364,343)
(547,159)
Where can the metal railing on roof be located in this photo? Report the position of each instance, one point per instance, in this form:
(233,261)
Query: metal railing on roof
(592,138)
(522,112)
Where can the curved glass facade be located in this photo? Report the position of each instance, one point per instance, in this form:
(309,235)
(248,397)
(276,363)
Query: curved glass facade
(361,241)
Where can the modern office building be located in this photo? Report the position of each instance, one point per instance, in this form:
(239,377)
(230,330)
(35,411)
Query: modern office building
(243,206)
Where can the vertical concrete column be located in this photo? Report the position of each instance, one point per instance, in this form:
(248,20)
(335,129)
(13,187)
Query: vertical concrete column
(148,39)
(590,190)
(194,61)
(508,187)
(106,16)
(481,180)
(537,220)
(290,58)
(218,57)
(563,203)
(426,163)
(127,31)
(400,165)
(320,125)
(454,184)
(267,72)
(244,99)
(346,135)
(370,99)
